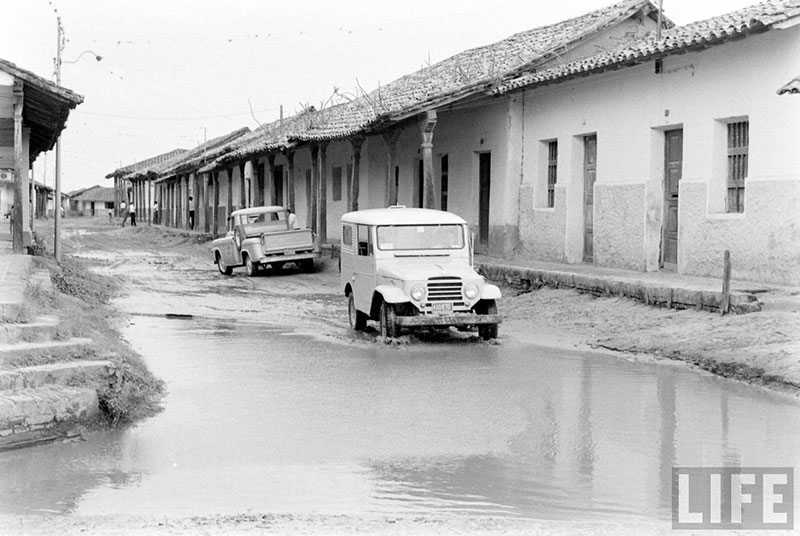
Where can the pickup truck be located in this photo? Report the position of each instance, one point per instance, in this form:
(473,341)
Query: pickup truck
(262,236)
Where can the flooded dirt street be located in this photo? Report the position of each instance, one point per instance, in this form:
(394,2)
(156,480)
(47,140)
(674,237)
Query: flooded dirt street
(278,417)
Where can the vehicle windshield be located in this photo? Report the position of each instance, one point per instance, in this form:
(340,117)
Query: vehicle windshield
(406,237)
(263,217)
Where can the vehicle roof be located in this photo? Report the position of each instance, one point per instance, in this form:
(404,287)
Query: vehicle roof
(257,210)
(401,216)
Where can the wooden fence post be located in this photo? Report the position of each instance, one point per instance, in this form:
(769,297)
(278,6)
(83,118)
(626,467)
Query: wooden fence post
(724,306)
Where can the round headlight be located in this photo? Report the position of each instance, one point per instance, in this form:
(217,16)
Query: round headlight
(471,291)
(417,293)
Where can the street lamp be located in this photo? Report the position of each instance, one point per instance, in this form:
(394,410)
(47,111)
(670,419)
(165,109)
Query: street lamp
(58,62)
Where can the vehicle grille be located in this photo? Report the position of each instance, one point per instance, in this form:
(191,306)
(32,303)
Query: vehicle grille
(444,289)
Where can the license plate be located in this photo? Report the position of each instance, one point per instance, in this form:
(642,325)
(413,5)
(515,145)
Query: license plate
(441,308)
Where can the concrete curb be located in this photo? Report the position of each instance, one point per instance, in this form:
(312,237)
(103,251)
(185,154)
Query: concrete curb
(660,294)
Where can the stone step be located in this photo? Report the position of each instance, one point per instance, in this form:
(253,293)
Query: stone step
(68,373)
(28,410)
(19,349)
(43,328)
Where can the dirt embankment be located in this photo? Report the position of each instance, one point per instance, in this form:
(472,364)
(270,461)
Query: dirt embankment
(157,265)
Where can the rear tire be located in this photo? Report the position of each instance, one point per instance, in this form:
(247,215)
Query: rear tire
(488,331)
(388,320)
(358,320)
(250,266)
(307,265)
(223,268)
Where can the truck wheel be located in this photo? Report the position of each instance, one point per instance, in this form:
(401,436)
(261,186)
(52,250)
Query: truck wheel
(250,266)
(307,265)
(223,268)
(488,331)
(358,320)
(388,320)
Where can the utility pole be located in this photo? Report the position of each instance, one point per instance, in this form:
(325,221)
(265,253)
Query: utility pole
(57,224)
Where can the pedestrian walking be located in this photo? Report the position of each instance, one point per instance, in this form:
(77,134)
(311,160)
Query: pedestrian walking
(132,213)
(124,207)
(191,212)
(155,212)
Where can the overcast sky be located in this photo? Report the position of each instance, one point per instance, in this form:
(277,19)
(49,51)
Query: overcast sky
(175,72)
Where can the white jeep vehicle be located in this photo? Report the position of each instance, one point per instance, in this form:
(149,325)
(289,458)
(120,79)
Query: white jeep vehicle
(412,267)
(262,236)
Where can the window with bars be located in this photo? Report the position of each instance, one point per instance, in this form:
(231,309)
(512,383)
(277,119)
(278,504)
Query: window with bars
(738,142)
(552,172)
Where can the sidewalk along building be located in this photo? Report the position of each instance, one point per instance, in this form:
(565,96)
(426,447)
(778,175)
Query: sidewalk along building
(93,201)
(33,112)
(666,152)
(435,138)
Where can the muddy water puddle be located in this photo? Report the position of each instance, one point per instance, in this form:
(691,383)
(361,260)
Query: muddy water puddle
(261,419)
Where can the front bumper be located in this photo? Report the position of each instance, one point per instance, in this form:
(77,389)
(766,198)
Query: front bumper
(447,320)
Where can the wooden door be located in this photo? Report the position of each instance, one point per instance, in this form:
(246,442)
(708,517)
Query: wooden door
(673,168)
(484,186)
(277,186)
(589,178)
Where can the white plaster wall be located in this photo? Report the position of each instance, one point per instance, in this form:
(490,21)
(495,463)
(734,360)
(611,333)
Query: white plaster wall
(628,110)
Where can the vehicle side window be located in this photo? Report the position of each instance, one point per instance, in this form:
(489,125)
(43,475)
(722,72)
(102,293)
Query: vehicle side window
(347,235)
(364,241)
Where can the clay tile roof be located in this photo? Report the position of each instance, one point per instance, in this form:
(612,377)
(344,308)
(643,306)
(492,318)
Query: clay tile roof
(754,19)
(198,157)
(792,87)
(93,193)
(46,107)
(468,72)
(145,164)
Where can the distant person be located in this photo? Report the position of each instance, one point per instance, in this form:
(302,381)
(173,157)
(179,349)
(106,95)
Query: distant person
(292,219)
(155,212)
(124,208)
(132,213)
(10,216)
(110,216)
(191,212)
(63,212)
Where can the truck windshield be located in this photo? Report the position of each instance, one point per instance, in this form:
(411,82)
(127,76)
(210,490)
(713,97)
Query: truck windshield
(406,237)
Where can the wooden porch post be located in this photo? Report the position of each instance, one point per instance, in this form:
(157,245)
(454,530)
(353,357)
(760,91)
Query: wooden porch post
(356,142)
(229,174)
(428,124)
(243,188)
(149,200)
(270,182)
(258,182)
(214,208)
(391,146)
(314,187)
(322,203)
(290,186)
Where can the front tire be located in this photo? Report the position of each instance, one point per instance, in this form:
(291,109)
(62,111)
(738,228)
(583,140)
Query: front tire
(388,320)
(488,331)
(223,268)
(250,266)
(358,320)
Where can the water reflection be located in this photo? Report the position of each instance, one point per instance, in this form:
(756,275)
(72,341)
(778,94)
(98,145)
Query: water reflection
(264,420)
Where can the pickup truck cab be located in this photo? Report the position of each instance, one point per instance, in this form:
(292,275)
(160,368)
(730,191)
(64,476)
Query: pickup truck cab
(412,267)
(262,236)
